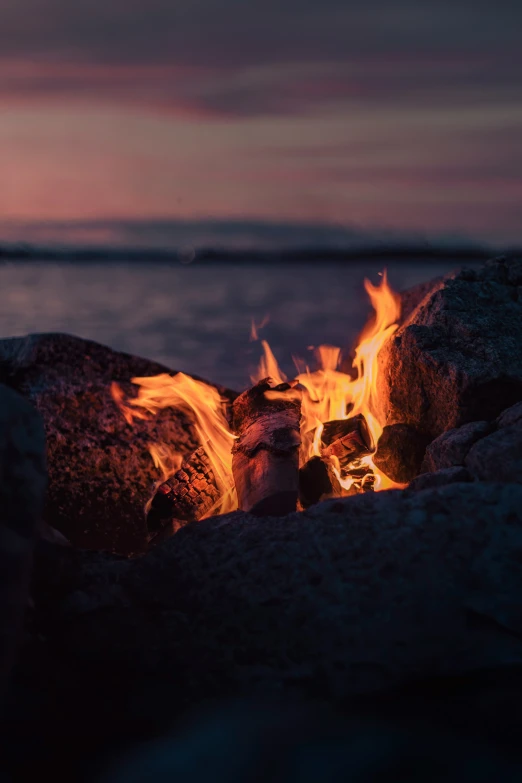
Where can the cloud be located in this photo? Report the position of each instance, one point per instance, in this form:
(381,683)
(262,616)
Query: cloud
(231,58)
(271,89)
(235,33)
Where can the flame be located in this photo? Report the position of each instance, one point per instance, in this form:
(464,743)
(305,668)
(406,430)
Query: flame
(206,407)
(328,394)
(268,367)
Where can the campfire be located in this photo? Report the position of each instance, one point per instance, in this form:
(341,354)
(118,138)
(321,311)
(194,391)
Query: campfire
(282,445)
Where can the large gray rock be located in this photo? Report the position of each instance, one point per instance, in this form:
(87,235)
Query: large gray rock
(452,447)
(510,416)
(304,744)
(358,593)
(101,473)
(340,602)
(400,452)
(499,456)
(440,478)
(414,296)
(458,357)
(22,492)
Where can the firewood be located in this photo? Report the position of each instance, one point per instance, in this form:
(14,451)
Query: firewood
(316,482)
(347,440)
(265,456)
(185,497)
(343,442)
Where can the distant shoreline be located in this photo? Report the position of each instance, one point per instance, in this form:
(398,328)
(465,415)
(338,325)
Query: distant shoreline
(213,255)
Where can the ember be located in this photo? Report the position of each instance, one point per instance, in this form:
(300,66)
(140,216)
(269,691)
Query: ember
(294,443)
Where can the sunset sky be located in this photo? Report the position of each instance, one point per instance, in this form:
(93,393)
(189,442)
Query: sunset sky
(376,114)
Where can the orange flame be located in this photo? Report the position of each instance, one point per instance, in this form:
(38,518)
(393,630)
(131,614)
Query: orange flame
(206,406)
(329,394)
(326,395)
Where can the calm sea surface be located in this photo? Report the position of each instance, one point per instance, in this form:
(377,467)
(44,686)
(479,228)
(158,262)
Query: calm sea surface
(197,318)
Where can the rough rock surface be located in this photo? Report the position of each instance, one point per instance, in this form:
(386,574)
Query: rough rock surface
(440,478)
(414,296)
(452,447)
(296,744)
(350,597)
(499,456)
(22,490)
(400,602)
(510,416)
(458,358)
(101,473)
(400,452)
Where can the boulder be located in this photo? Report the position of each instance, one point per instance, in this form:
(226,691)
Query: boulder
(458,357)
(359,593)
(400,452)
(440,478)
(348,600)
(101,473)
(451,448)
(499,456)
(414,296)
(22,491)
(510,416)
(305,743)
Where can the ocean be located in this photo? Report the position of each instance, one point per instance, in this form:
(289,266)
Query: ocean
(197,317)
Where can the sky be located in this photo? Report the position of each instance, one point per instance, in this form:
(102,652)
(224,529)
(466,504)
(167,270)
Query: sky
(400,115)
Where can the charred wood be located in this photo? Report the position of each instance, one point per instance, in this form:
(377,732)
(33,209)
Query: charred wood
(343,443)
(265,456)
(316,482)
(185,497)
(347,440)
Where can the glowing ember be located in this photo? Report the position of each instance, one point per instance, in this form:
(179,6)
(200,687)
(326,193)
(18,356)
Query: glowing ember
(326,395)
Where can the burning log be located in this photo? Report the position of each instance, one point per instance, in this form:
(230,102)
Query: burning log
(185,497)
(347,439)
(317,481)
(265,456)
(343,443)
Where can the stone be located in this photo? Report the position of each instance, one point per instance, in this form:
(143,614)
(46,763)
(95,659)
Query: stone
(23,482)
(414,296)
(451,448)
(499,456)
(458,358)
(510,416)
(363,592)
(299,743)
(356,597)
(440,478)
(400,452)
(101,473)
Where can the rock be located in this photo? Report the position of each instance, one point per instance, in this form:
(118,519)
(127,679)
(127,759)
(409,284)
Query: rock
(342,602)
(440,478)
(101,473)
(364,592)
(304,744)
(499,456)
(414,296)
(400,452)
(511,416)
(451,448)
(458,358)
(22,491)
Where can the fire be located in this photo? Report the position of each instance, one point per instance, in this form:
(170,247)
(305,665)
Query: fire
(326,395)
(330,395)
(206,406)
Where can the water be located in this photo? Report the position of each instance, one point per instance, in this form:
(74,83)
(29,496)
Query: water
(197,318)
